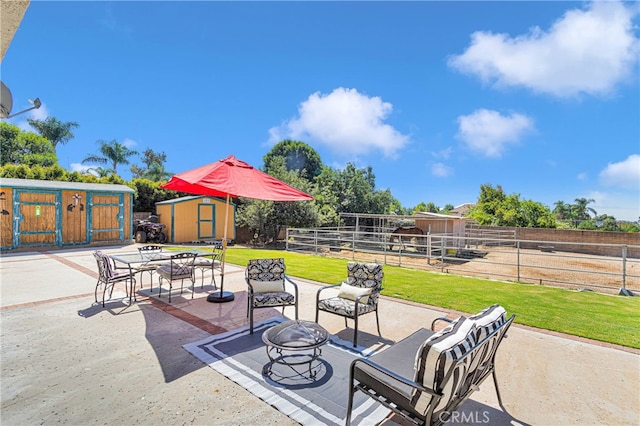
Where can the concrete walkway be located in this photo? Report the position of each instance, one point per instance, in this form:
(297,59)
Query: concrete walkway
(67,360)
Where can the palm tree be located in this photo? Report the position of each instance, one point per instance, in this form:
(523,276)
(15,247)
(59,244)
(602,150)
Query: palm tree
(581,208)
(53,130)
(112,152)
(562,210)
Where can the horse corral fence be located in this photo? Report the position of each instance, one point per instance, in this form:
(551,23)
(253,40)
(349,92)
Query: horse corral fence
(608,268)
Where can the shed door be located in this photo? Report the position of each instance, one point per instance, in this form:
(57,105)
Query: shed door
(106,217)
(206,221)
(36,217)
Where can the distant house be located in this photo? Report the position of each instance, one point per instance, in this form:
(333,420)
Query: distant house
(462,209)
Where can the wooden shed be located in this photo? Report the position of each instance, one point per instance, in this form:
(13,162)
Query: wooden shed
(196,218)
(436,223)
(53,213)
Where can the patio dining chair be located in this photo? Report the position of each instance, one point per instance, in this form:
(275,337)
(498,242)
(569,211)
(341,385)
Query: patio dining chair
(356,296)
(109,276)
(266,281)
(204,263)
(149,267)
(180,268)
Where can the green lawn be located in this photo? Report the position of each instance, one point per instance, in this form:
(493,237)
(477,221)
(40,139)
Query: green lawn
(613,319)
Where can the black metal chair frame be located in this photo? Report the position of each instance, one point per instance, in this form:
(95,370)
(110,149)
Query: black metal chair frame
(355,315)
(179,262)
(108,277)
(387,396)
(251,297)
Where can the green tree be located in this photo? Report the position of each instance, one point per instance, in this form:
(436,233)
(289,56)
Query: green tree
(562,211)
(447,208)
(496,208)
(154,167)
(148,193)
(53,130)
(396,208)
(26,148)
(356,192)
(629,227)
(113,153)
(420,207)
(268,218)
(489,201)
(581,209)
(326,198)
(298,156)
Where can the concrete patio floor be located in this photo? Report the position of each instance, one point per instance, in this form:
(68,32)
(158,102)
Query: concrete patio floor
(67,360)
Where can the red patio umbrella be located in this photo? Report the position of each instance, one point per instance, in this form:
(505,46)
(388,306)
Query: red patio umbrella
(232,178)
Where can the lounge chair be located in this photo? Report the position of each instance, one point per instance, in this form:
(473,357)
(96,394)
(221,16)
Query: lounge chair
(427,376)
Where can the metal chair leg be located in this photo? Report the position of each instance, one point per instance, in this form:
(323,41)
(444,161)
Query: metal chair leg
(355,331)
(250,321)
(495,381)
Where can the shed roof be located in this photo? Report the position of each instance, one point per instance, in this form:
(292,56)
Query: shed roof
(438,215)
(189,198)
(56,185)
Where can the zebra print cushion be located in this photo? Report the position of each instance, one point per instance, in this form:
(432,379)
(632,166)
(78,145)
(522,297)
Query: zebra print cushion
(434,360)
(488,320)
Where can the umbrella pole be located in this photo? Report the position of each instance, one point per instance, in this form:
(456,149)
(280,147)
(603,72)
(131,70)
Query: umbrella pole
(222,296)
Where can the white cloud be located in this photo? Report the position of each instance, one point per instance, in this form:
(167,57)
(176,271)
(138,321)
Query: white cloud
(78,167)
(129,143)
(621,205)
(585,51)
(441,170)
(582,176)
(346,121)
(444,153)
(625,174)
(489,132)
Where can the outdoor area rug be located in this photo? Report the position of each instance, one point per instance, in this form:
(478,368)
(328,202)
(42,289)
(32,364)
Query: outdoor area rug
(290,389)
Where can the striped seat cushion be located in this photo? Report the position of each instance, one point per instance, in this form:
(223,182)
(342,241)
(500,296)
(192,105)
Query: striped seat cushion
(435,360)
(480,364)
(489,320)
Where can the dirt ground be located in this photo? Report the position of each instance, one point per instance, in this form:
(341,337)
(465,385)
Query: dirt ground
(569,270)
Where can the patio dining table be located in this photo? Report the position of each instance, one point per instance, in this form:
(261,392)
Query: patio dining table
(140,258)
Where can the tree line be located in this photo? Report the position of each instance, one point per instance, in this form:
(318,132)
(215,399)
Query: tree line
(32,155)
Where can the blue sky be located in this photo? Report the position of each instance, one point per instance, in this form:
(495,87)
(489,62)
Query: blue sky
(542,98)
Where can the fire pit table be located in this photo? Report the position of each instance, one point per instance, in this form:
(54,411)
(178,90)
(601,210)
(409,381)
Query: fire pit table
(294,342)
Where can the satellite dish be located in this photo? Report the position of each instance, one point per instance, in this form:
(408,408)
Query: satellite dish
(6,101)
